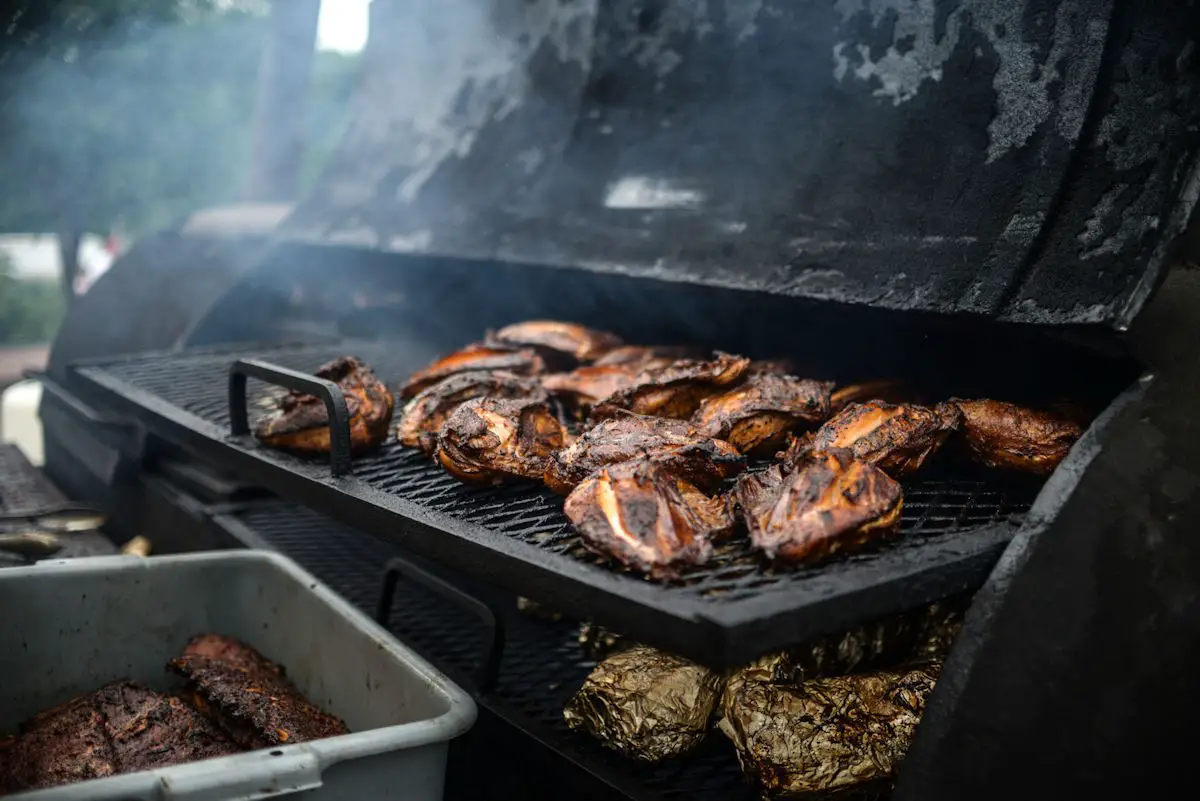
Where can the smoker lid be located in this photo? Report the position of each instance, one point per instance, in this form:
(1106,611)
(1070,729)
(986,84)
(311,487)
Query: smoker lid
(1017,159)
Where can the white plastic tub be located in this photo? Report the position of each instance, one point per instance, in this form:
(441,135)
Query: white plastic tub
(68,627)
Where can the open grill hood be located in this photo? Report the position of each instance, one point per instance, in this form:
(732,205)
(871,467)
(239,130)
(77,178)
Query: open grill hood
(1024,160)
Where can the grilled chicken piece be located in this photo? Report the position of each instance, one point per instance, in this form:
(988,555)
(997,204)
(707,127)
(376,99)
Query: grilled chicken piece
(799,448)
(521,361)
(896,438)
(248,695)
(1000,434)
(883,390)
(301,426)
(829,504)
(674,444)
(553,338)
(675,390)
(647,517)
(586,386)
(639,357)
(424,415)
(756,416)
(488,439)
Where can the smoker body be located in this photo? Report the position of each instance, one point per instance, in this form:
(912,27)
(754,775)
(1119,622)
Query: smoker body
(980,197)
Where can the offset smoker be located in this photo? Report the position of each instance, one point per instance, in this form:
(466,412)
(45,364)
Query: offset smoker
(873,189)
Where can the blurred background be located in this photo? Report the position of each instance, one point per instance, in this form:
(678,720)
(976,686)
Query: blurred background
(119,117)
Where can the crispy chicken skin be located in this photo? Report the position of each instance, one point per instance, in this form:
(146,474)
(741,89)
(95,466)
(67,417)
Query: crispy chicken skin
(569,339)
(896,438)
(424,415)
(486,440)
(884,390)
(829,504)
(1000,434)
(586,386)
(640,357)
(675,390)
(757,415)
(702,461)
(799,447)
(521,361)
(301,425)
(647,517)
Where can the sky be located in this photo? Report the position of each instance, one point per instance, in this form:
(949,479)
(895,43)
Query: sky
(342,25)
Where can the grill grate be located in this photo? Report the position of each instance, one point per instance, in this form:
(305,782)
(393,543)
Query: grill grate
(954,525)
(542,664)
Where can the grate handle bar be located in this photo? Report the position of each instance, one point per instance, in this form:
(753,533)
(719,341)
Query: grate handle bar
(399,567)
(327,391)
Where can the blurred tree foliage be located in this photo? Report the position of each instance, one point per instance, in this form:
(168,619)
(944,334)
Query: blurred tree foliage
(30,311)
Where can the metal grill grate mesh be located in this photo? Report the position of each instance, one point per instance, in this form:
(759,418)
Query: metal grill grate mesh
(935,509)
(542,662)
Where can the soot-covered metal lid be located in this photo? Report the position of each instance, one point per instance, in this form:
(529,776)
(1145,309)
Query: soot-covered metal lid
(1025,160)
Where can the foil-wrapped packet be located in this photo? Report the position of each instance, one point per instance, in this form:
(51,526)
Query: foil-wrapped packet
(645,703)
(829,736)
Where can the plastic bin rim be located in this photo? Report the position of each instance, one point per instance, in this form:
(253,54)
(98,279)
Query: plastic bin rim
(456,720)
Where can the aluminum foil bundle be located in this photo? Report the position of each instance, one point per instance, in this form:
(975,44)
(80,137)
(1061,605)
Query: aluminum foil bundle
(821,737)
(646,704)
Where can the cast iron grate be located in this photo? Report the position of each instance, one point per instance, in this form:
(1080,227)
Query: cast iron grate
(955,525)
(541,667)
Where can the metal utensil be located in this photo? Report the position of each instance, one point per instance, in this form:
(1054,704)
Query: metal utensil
(61,519)
(31,544)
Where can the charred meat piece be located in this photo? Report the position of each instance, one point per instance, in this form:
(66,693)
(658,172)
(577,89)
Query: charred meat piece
(149,730)
(897,439)
(647,704)
(424,415)
(675,390)
(702,461)
(647,517)
(586,386)
(828,504)
(756,416)
(301,425)
(771,367)
(248,696)
(640,357)
(799,448)
(62,745)
(824,736)
(521,361)
(553,338)
(883,390)
(488,439)
(1000,434)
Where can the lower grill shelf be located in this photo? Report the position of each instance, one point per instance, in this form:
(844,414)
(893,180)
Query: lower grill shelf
(542,663)
(723,614)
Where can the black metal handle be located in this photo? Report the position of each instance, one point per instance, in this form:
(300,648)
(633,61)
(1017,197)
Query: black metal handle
(327,391)
(489,665)
(77,407)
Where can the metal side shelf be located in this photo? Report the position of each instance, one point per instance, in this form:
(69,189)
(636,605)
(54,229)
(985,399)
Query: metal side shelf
(541,663)
(722,614)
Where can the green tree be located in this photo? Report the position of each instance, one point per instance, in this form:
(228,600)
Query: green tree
(30,311)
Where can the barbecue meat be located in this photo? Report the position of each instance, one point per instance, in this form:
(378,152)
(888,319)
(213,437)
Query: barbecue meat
(149,730)
(62,745)
(884,390)
(584,387)
(1000,434)
(756,416)
(488,439)
(675,390)
(301,425)
(646,517)
(554,338)
(248,695)
(799,448)
(640,357)
(521,361)
(424,415)
(828,504)
(647,704)
(824,736)
(702,461)
(771,367)
(898,439)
